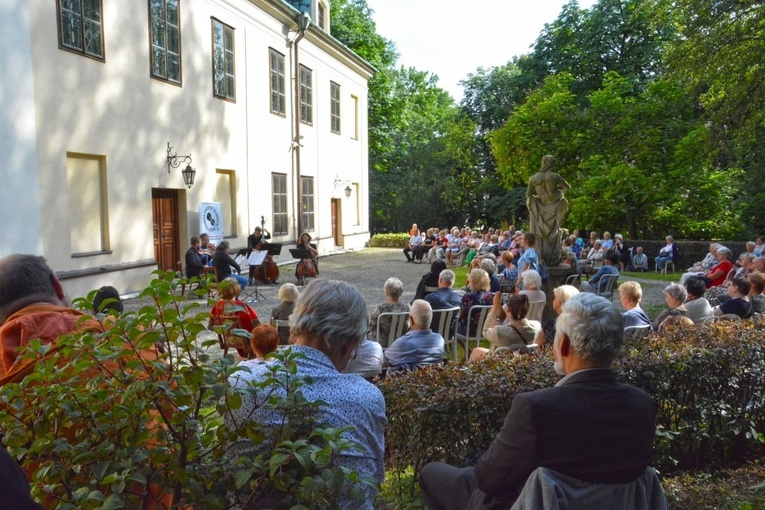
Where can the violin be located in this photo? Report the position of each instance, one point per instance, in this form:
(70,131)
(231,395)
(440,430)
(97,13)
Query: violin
(268,272)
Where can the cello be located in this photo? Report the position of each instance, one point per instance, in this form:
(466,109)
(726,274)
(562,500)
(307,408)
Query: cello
(268,272)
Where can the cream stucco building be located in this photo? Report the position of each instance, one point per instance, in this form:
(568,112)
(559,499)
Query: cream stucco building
(93,91)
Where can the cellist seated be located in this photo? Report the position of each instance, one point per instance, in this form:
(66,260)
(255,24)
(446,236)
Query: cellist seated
(308,266)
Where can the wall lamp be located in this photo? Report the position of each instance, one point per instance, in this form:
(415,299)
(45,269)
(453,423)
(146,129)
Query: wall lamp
(174,161)
(347,189)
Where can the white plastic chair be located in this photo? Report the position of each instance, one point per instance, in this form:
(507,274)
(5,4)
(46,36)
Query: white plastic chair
(637,331)
(398,321)
(607,286)
(536,309)
(443,323)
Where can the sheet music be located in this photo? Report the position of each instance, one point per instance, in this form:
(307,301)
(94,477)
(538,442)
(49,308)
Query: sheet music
(240,259)
(257,258)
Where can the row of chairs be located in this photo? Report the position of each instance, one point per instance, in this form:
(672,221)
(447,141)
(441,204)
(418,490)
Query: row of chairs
(606,285)
(444,323)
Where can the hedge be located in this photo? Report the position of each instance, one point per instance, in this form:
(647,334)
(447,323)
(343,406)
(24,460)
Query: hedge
(707,384)
(389,241)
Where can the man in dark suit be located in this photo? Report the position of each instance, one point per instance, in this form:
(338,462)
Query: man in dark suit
(588,426)
(194,264)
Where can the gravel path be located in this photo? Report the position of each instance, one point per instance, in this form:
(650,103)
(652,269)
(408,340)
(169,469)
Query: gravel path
(368,269)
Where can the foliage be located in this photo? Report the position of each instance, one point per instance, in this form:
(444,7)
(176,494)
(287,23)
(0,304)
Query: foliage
(729,489)
(120,417)
(707,384)
(400,491)
(389,240)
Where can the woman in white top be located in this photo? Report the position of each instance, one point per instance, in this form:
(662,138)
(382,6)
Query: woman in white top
(517,333)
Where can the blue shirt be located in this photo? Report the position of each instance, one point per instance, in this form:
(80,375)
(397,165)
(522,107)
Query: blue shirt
(606,269)
(417,347)
(529,257)
(443,298)
(635,317)
(350,401)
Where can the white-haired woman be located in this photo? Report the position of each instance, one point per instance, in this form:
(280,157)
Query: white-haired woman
(561,294)
(532,284)
(288,293)
(393,291)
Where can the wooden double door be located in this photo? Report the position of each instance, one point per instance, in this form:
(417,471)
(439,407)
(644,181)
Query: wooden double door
(164,204)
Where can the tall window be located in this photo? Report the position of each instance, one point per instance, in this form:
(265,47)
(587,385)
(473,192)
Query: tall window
(321,17)
(279,187)
(306,202)
(223,60)
(79,27)
(334,100)
(88,217)
(165,36)
(277,81)
(225,193)
(355,117)
(306,95)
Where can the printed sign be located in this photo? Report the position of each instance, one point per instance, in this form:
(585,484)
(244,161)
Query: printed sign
(211,221)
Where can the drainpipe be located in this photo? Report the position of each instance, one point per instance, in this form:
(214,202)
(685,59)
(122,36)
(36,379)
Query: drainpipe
(303,20)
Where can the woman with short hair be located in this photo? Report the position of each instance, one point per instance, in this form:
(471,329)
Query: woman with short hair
(739,303)
(517,332)
(393,290)
(477,295)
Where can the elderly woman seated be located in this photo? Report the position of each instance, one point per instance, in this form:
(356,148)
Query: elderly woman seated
(697,305)
(517,333)
(703,266)
(739,303)
(532,283)
(477,295)
(757,280)
(630,294)
(716,276)
(745,267)
(393,291)
(490,267)
(675,295)
(593,260)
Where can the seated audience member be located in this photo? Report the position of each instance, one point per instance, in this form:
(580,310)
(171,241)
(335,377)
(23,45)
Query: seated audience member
(704,266)
(368,362)
(577,244)
(32,306)
(428,242)
(720,292)
(667,253)
(675,296)
(393,290)
(439,248)
(750,246)
(223,264)
(591,241)
(557,427)
(739,303)
(194,264)
(568,246)
(697,305)
(107,301)
(532,283)
(630,294)
(429,279)
(517,333)
(477,294)
(491,246)
(593,260)
(288,293)
(757,281)
(474,245)
(490,267)
(419,346)
(676,321)
(607,244)
(622,251)
(639,261)
(758,264)
(415,240)
(264,341)
(759,247)
(561,294)
(228,290)
(444,297)
(505,241)
(609,267)
(329,321)
(456,247)
(716,276)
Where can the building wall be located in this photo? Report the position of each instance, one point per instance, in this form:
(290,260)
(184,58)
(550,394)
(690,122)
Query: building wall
(67,107)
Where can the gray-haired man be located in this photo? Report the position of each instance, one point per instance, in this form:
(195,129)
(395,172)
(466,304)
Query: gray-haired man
(588,426)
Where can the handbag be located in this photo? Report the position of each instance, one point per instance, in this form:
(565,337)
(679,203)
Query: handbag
(544,272)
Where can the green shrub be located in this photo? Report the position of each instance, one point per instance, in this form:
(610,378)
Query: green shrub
(707,384)
(104,421)
(389,241)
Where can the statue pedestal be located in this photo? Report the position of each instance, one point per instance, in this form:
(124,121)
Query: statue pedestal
(558,275)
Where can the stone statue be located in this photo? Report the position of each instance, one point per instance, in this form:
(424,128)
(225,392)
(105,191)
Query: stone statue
(547,209)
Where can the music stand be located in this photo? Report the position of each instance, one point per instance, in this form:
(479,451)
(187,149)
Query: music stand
(255,259)
(299,253)
(274,249)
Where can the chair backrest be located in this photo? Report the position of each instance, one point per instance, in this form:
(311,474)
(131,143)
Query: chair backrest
(398,321)
(430,290)
(480,311)
(280,323)
(549,489)
(637,331)
(445,324)
(517,350)
(224,325)
(607,285)
(536,309)
(731,274)
(574,279)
